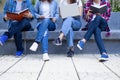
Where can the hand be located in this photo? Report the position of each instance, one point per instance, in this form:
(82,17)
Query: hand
(53,19)
(6,18)
(42,16)
(28,15)
(98,14)
(89,12)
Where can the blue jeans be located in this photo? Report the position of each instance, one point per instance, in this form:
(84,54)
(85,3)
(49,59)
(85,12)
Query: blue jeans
(95,27)
(42,34)
(70,24)
(16,29)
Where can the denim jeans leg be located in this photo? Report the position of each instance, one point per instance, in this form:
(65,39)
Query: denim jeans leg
(16,27)
(99,41)
(67,25)
(42,27)
(18,41)
(76,25)
(51,26)
(44,42)
(92,27)
(69,38)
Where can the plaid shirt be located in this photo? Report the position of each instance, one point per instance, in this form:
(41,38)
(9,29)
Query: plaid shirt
(105,15)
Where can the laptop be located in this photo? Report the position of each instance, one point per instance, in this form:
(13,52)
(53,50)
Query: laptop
(69,10)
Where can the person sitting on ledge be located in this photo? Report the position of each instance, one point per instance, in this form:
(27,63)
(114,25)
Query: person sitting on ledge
(16,27)
(96,24)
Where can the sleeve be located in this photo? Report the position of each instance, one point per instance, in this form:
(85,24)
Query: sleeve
(108,10)
(57,11)
(79,3)
(6,7)
(85,10)
(36,7)
(31,8)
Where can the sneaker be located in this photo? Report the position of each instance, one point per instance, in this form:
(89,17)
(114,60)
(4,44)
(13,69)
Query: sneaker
(80,45)
(104,57)
(19,53)
(57,42)
(34,46)
(3,39)
(46,57)
(70,53)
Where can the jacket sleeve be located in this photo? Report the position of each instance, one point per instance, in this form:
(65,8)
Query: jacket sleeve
(108,14)
(6,7)
(36,7)
(30,6)
(56,10)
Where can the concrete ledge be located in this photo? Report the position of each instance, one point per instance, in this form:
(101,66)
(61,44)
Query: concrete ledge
(111,43)
(30,35)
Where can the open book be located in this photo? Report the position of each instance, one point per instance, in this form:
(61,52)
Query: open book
(17,15)
(101,9)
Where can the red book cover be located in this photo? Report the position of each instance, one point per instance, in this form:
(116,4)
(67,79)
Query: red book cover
(17,15)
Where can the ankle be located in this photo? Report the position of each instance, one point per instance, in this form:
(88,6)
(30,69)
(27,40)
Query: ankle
(61,36)
(37,42)
(71,48)
(84,40)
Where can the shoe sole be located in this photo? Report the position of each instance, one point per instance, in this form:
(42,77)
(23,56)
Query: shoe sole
(57,44)
(46,59)
(70,56)
(103,59)
(79,47)
(18,56)
(33,49)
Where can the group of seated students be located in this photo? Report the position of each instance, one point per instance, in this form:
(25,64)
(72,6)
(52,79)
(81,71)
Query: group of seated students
(47,14)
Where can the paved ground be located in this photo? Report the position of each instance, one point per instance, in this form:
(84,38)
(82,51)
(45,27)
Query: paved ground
(60,67)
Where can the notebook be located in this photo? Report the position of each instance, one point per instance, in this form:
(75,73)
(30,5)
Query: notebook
(69,10)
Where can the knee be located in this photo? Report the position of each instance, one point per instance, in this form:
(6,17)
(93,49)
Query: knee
(69,19)
(46,20)
(76,28)
(98,17)
(97,31)
(51,28)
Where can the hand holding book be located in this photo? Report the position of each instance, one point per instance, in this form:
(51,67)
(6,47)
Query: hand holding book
(89,12)
(42,16)
(19,15)
(101,9)
(6,18)
(28,15)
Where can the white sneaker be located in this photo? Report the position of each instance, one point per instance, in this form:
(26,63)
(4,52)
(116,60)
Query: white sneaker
(34,46)
(46,57)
